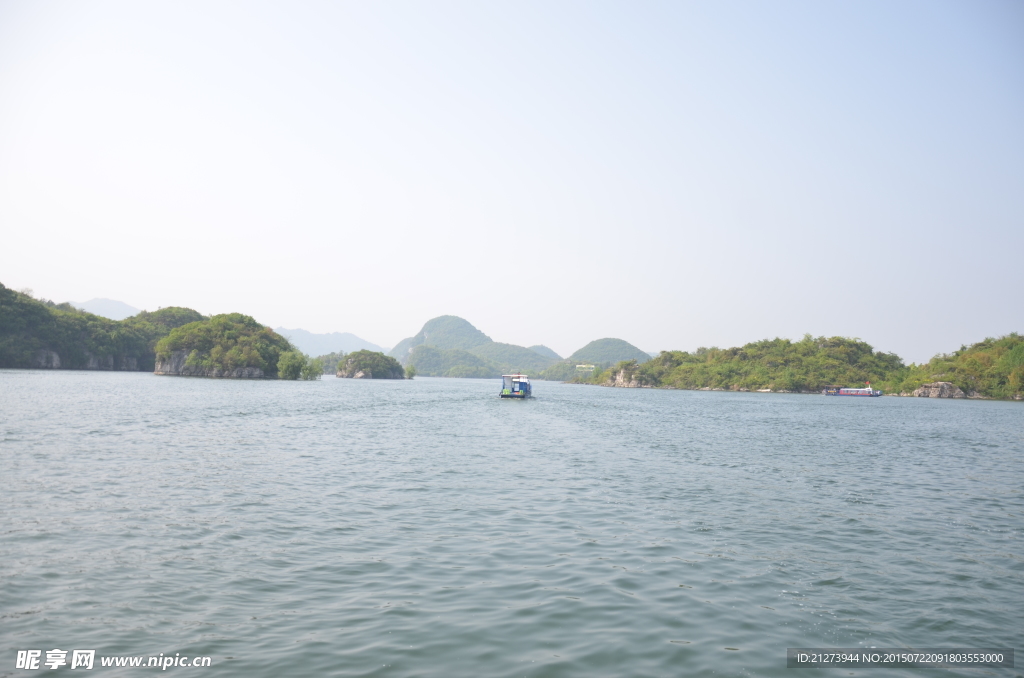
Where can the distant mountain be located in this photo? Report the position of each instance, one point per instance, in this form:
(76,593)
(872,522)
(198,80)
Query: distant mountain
(108,308)
(545,351)
(321,344)
(444,332)
(511,358)
(608,351)
(449,346)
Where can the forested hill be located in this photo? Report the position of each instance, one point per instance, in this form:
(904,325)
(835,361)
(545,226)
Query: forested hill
(449,346)
(993,368)
(777,364)
(35,333)
(605,351)
(545,351)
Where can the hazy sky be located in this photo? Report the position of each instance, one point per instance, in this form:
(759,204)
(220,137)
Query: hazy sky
(675,174)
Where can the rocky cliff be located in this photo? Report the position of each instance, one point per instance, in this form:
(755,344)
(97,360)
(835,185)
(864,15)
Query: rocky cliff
(175,365)
(625,379)
(350,372)
(50,360)
(46,359)
(939,389)
(628,376)
(358,374)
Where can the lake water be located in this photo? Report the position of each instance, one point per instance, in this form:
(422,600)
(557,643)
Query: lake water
(427,528)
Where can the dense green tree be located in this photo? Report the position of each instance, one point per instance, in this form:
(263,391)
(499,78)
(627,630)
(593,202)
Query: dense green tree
(290,365)
(312,369)
(330,361)
(993,368)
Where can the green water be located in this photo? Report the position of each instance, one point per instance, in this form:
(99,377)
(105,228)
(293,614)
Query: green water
(429,528)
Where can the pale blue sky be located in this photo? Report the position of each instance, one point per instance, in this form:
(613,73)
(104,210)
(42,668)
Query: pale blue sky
(675,174)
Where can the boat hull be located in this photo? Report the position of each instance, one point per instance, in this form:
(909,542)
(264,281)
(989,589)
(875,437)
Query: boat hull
(851,392)
(519,396)
(855,395)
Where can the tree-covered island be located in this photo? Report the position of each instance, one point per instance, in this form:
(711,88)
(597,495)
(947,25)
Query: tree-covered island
(366,364)
(231,345)
(993,368)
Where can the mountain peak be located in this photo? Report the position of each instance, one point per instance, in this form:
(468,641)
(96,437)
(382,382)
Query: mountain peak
(444,332)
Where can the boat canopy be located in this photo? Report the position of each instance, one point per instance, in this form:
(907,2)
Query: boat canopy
(512,381)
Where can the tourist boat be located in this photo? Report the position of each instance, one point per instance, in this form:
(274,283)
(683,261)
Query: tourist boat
(842,391)
(515,386)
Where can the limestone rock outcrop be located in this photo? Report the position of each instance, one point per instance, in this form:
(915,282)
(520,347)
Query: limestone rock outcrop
(175,365)
(939,389)
(46,359)
(348,371)
(625,379)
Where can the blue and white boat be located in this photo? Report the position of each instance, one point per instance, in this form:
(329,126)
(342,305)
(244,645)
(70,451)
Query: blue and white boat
(515,386)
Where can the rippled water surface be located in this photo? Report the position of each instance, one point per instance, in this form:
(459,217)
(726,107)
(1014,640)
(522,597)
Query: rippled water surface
(427,528)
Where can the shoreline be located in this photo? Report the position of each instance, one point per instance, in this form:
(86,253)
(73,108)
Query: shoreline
(973,396)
